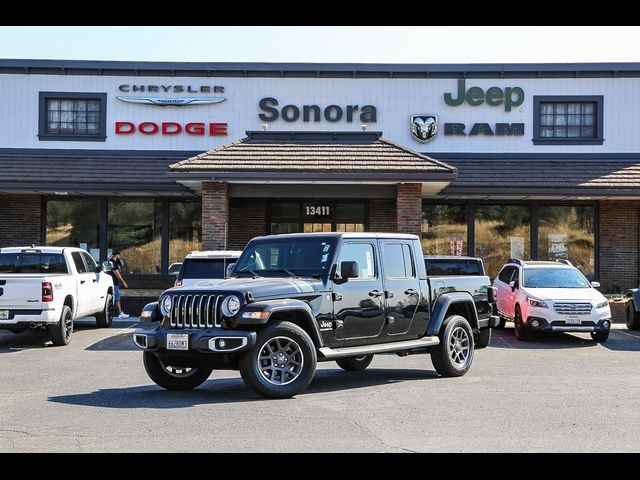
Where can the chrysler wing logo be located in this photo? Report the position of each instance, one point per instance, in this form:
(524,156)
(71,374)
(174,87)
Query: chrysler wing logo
(424,127)
(173,102)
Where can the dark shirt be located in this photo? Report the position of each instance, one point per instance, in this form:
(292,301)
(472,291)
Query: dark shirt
(117,265)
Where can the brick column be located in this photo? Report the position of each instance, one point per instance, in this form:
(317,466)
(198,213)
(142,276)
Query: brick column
(21,219)
(215,215)
(409,208)
(618,244)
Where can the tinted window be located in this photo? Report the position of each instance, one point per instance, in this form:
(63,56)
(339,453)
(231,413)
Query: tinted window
(77,261)
(202,268)
(397,260)
(89,261)
(363,254)
(554,278)
(32,263)
(453,267)
(505,274)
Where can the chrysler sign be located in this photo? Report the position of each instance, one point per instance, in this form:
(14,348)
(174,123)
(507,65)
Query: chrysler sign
(171,101)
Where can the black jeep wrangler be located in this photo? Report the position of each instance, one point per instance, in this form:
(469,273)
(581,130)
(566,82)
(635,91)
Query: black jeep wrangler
(294,300)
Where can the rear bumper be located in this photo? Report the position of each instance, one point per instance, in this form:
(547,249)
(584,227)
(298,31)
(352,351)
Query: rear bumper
(543,325)
(491,322)
(19,318)
(210,341)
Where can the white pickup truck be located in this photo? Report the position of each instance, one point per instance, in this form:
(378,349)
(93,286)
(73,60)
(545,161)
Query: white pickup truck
(49,287)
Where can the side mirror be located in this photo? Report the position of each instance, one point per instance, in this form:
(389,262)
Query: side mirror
(349,269)
(106,266)
(513,285)
(98,268)
(595,284)
(229,269)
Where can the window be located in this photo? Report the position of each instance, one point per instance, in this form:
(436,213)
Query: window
(450,268)
(398,262)
(568,232)
(89,262)
(363,254)
(78,262)
(568,120)
(205,268)
(185,229)
(32,262)
(505,274)
(444,229)
(502,232)
(72,116)
(74,223)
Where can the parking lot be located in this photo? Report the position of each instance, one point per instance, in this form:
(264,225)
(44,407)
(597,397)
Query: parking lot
(558,393)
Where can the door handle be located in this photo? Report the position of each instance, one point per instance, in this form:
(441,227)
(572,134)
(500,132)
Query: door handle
(376,293)
(411,291)
(388,294)
(81,281)
(94,280)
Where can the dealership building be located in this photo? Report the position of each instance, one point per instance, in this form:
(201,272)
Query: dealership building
(537,161)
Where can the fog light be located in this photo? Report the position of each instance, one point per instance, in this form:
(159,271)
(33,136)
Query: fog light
(222,343)
(140,340)
(606,324)
(535,323)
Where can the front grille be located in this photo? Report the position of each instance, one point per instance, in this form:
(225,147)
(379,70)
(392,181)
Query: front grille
(573,308)
(195,311)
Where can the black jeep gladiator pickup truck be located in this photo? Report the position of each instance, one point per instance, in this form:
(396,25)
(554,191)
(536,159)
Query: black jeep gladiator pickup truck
(294,300)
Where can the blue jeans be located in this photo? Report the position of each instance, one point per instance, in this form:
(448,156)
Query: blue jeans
(116,293)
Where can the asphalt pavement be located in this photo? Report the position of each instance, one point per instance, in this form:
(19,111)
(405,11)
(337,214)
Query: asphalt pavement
(557,393)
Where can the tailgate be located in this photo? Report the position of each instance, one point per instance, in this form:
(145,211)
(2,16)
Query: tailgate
(21,291)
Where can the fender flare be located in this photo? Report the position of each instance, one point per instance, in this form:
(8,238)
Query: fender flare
(443,303)
(154,308)
(278,306)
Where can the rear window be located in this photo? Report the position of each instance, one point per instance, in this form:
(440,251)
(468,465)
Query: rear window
(202,268)
(445,268)
(32,262)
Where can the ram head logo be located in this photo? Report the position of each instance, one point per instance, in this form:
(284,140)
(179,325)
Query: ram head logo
(424,127)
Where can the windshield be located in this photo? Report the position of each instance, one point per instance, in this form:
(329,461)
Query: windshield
(287,257)
(554,278)
(32,262)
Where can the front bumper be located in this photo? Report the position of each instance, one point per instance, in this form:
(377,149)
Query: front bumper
(210,341)
(539,324)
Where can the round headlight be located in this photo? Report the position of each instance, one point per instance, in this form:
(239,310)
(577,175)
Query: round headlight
(165,305)
(230,306)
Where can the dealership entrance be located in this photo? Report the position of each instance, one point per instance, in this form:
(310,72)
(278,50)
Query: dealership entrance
(308,216)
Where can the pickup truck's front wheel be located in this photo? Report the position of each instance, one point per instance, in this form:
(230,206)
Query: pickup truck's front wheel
(61,332)
(174,378)
(104,319)
(282,363)
(454,355)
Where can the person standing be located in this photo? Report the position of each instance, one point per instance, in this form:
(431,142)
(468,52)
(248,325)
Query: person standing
(118,281)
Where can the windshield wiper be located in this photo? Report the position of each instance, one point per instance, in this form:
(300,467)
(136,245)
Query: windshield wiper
(292,274)
(248,270)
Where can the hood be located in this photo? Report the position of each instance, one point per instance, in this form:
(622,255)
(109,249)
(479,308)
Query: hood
(259,287)
(566,294)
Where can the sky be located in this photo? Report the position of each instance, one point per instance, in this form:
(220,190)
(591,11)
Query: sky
(325,44)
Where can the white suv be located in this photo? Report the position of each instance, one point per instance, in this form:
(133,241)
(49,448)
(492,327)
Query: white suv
(550,297)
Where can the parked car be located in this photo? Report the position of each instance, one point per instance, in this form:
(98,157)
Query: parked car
(174,268)
(551,297)
(475,281)
(294,300)
(49,287)
(633,308)
(196,267)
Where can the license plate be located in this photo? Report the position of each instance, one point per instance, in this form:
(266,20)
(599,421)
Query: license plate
(177,341)
(4,314)
(573,321)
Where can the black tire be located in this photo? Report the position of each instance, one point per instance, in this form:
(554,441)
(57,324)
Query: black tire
(501,323)
(520,332)
(483,339)
(18,331)
(293,348)
(62,331)
(633,317)
(600,336)
(174,378)
(454,355)
(355,364)
(104,319)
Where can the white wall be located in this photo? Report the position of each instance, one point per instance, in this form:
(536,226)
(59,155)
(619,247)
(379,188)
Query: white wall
(395,99)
